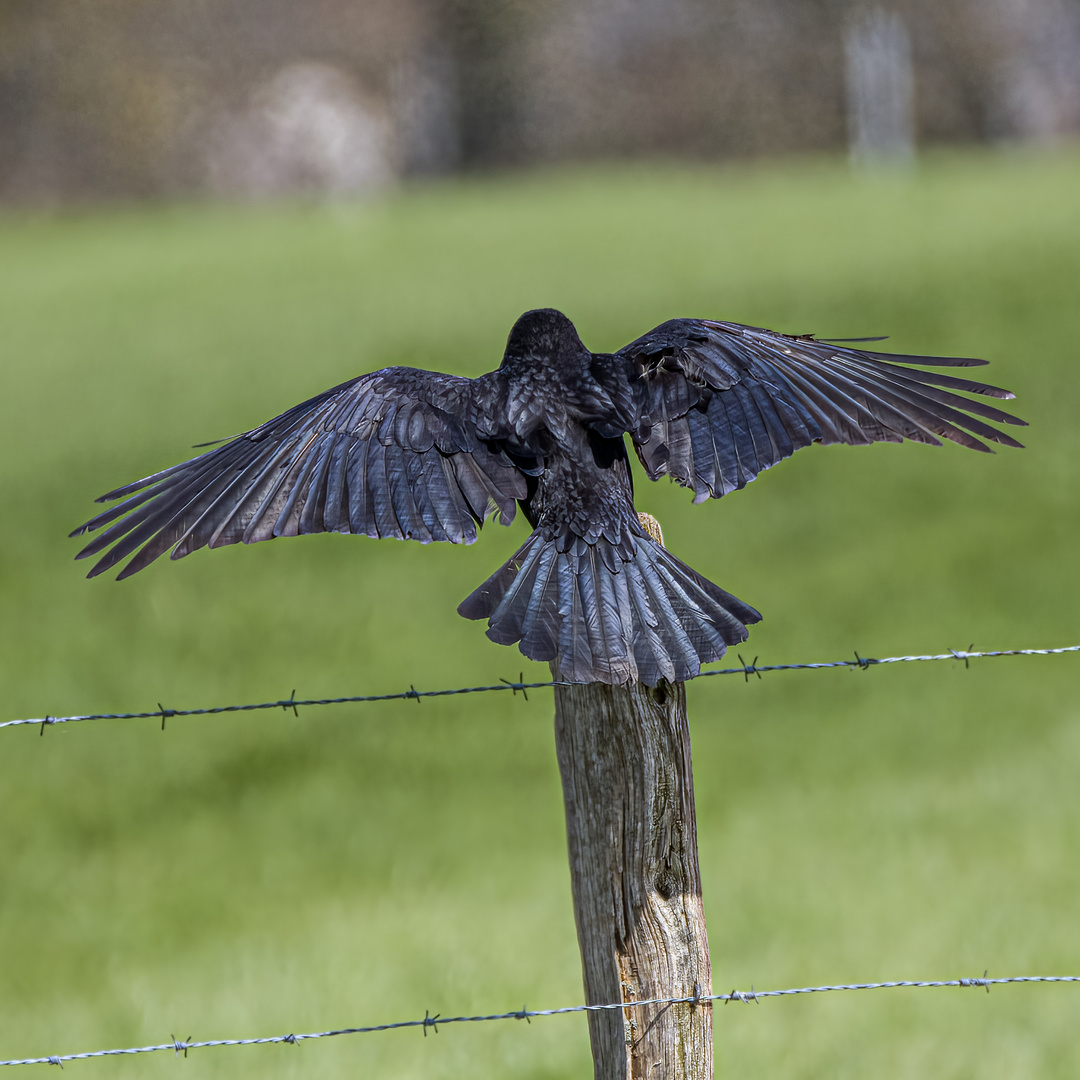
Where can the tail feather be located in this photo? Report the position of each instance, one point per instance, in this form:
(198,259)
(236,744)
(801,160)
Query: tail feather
(705,620)
(610,627)
(482,602)
(609,616)
(673,637)
(603,619)
(574,651)
(650,656)
(740,610)
(590,606)
(540,627)
(510,614)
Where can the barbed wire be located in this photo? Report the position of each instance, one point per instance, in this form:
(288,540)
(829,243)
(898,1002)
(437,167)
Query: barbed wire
(745,997)
(412,694)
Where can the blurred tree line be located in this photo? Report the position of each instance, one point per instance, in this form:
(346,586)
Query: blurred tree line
(140,98)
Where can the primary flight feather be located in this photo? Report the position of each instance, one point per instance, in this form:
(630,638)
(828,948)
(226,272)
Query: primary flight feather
(424,456)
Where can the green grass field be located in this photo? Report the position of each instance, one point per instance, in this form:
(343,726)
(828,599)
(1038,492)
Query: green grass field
(259,874)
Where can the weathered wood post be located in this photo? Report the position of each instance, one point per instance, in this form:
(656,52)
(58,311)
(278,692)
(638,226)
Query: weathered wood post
(624,758)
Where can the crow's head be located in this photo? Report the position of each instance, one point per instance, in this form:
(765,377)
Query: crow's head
(544,334)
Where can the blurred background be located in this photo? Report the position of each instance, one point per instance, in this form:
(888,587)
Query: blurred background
(128,98)
(210,211)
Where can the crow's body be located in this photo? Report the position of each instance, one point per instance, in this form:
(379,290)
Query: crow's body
(425,456)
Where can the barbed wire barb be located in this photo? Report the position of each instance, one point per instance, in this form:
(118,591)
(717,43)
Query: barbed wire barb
(412,694)
(745,997)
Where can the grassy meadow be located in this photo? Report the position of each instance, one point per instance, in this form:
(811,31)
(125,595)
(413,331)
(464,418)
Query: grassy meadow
(260,873)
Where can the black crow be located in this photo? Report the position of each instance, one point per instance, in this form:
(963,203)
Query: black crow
(424,456)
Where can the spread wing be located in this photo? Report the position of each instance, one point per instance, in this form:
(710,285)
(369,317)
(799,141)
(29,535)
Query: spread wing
(715,403)
(394,453)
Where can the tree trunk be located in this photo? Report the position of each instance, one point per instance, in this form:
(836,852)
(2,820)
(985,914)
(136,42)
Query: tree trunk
(624,757)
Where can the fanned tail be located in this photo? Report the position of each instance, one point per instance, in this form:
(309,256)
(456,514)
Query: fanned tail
(605,618)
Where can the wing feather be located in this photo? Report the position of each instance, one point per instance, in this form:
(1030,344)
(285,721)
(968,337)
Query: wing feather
(717,403)
(395,453)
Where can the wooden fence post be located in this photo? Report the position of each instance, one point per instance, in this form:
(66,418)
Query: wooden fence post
(624,758)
